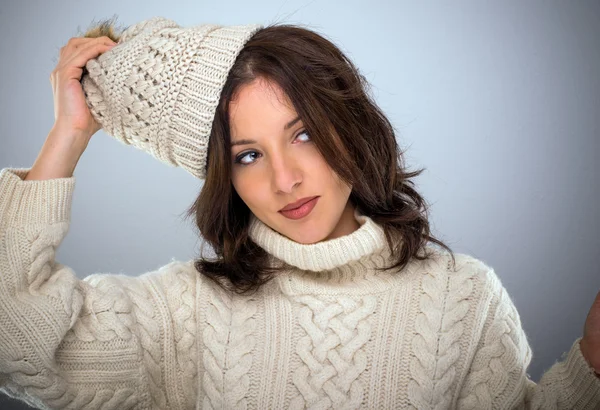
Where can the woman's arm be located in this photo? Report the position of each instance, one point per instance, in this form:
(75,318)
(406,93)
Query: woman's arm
(65,342)
(107,341)
(498,379)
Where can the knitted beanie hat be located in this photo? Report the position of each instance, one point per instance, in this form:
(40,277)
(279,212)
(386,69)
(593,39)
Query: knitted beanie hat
(159,87)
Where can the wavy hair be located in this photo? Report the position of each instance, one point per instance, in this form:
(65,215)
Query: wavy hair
(351,132)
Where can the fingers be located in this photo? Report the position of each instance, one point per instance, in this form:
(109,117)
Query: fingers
(73,43)
(86,52)
(77,44)
(77,52)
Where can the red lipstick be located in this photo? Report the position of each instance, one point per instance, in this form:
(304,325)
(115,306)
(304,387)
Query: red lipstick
(300,208)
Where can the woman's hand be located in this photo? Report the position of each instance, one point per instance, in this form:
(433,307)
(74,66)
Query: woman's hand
(74,124)
(71,112)
(590,343)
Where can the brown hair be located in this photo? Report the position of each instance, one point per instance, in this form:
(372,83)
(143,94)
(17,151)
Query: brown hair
(350,131)
(358,142)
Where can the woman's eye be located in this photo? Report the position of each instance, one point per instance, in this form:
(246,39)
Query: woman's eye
(302,132)
(239,158)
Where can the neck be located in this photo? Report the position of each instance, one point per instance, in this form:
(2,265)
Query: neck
(347,260)
(348,223)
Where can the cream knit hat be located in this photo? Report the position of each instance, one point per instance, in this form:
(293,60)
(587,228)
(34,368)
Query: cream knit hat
(159,87)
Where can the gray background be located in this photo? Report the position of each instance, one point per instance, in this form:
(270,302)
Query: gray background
(499,101)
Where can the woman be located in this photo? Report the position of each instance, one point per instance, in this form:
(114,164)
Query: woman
(324,291)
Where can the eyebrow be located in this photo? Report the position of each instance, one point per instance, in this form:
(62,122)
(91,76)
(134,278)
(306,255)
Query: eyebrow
(246,142)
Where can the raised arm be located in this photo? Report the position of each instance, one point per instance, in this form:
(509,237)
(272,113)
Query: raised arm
(65,342)
(498,374)
(109,341)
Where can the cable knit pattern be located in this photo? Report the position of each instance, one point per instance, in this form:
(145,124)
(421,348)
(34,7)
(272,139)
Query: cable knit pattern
(501,361)
(42,300)
(147,331)
(115,307)
(486,372)
(184,321)
(443,302)
(229,339)
(332,352)
(329,331)
(158,89)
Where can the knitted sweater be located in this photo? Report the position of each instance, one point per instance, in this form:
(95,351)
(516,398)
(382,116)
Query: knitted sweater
(327,332)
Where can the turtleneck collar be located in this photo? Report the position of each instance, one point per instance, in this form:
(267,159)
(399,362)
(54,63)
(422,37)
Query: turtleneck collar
(348,260)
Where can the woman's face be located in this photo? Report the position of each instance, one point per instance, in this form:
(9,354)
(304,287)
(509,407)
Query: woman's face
(282,165)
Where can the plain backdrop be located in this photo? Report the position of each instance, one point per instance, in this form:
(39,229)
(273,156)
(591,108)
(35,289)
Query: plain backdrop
(500,102)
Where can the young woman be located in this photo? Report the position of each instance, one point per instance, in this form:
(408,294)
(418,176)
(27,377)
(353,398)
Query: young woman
(326,290)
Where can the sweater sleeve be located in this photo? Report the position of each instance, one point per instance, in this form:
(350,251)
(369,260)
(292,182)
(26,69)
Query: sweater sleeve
(65,342)
(497,376)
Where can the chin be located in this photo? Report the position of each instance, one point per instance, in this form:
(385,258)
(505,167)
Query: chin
(305,235)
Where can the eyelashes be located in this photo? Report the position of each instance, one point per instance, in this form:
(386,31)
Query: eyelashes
(238,159)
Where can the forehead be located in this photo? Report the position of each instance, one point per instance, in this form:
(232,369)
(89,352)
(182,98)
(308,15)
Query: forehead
(260,103)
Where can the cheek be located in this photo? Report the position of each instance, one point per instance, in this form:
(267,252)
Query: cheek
(338,184)
(326,173)
(318,167)
(247,187)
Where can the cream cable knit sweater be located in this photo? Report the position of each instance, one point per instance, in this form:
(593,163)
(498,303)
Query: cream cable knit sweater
(329,332)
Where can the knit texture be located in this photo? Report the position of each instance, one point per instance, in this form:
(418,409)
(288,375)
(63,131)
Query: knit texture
(329,331)
(159,87)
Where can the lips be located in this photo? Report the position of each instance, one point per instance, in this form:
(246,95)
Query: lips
(298,203)
(302,211)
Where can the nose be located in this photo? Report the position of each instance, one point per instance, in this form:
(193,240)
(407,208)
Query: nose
(286,173)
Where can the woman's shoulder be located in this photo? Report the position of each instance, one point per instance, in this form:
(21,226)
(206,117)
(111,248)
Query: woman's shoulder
(173,274)
(478,270)
(458,272)
(463,263)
